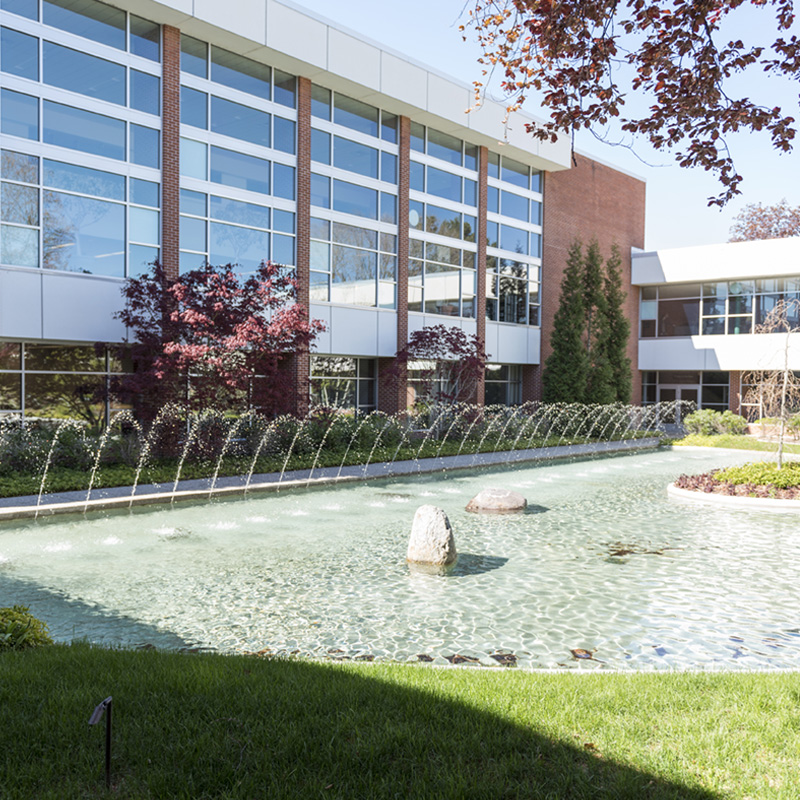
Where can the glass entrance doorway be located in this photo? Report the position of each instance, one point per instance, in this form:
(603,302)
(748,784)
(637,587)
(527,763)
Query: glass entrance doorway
(689,394)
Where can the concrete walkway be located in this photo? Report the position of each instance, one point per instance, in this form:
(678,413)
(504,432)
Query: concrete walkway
(31,506)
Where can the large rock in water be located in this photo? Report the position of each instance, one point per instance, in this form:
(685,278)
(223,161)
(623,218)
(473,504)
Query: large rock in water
(431,541)
(497,501)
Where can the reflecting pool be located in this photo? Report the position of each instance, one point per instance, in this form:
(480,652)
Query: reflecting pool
(602,564)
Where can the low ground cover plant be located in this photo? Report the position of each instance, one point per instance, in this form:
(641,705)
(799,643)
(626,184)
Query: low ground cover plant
(708,422)
(761,479)
(19,629)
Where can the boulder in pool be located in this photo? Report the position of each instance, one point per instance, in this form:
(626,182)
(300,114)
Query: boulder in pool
(497,501)
(431,541)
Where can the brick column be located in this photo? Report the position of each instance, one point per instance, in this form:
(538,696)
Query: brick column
(735,392)
(302,358)
(480,262)
(170,150)
(393,389)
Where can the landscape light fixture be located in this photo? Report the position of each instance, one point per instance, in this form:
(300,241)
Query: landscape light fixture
(97,715)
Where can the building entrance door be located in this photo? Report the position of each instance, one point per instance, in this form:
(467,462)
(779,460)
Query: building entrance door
(669,391)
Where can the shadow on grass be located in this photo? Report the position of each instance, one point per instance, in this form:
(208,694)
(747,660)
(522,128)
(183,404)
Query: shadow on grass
(202,726)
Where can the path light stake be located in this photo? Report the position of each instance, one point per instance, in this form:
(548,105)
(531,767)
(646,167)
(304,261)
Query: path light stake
(93,720)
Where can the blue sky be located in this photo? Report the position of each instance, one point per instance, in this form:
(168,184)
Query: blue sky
(677,212)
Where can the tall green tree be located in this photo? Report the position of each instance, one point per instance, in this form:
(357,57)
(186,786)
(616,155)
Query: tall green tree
(618,328)
(600,377)
(567,367)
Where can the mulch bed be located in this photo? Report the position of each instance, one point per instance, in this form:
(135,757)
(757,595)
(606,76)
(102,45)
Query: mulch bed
(709,484)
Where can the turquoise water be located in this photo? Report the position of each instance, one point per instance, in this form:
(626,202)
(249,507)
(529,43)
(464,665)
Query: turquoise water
(603,562)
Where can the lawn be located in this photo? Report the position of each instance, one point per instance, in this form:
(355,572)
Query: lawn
(212,726)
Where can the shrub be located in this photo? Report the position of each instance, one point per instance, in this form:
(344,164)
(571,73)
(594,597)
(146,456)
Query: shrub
(763,473)
(732,423)
(708,422)
(19,629)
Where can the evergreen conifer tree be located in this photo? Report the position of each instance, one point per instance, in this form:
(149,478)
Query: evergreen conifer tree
(619,328)
(566,369)
(600,378)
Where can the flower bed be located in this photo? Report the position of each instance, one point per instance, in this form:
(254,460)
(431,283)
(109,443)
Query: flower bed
(751,480)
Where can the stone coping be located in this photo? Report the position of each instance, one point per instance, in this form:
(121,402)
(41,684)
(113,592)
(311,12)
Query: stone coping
(727,501)
(30,507)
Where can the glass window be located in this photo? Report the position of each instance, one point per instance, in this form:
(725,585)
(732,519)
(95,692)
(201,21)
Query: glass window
(416,215)
(494,165)
(320,191)
(19,115)
(444,146)
(25,8)
(145,92)
(388,168)
(194,107)
(143,225)
(354,236)
(283,184)
(470,228)
(513,239)
(244,247)
(19,167)
(83,235)
(10,356)
(19,247)
(353,276)
(87,18)
(239,170)
(284,139)
(514,206)
(194,56)
(678,317)
(283,221)
(85,74)
(470,156)
(240,122)
(536,181)
(318,287)
(57,175)
(388,127)
(353,199)
(320,102)
(536,212)
(237,211)
(679,290)
(320,146)
(19,54)
(713,326)
(145,148)
(145,193)
(417,137)
(388,208)
(536,245)
(444,184)
(283,249)
(83,130)
(515,172)
(737,325)
(492,234)
(470,192)
(285,89)
(320,254)
(355,157)
(145,40)
(238,72)
(355,114)
(193,234)
(417,179)
(19,204)
(442,221)
(194,159)
(493,199)
(140,259)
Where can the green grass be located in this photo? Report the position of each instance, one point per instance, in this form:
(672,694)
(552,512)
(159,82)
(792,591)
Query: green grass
(210,726)
(734,442)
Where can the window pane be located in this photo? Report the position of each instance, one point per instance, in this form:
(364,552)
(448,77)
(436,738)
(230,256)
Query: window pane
(237,211)
(417,137)
(320,256)
(679,290)
(140,259)
(387,267)
(442,221)
(285,89)
(193,234)
(283,221)
(444,146)
(513,239)
(193,159)
(678,317)
(355,157)
(536,245)
(284,139)
(444,184)
(492,234)
(536,181)
(240,73)
(514,172)
(145,92)
(470,228)
(320,228)
(283,183)
(145,148)
(740,304)
(239,170)
(19,167)
(318,288)
(470,156)
(80,72)
(87,18)
(83,235)
(20,204)
(417,181)
(514,206)
(388,168)
(320,102)
(20,115)
(25,8)
(193,203)
(470,192)
(388,208)
(19,247)
(144,225)
(244,247)
(493,199)
(352,199)
(353,276)
(354,236)
(442,290)
(10,356)
(145,38)
(283,249)
(83,130)
(19,54)
(494,165)
(713,326)
(320,146)
(194,107)
(355,114)
(388,127)
(57,175)
(320,191)
(194,56)
(240,122)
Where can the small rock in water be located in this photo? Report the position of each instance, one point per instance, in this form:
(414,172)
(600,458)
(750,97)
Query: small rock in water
(459,659)
(423,657)
(505,659)
(497,501)
(431,539)
(365,657)
(579,652)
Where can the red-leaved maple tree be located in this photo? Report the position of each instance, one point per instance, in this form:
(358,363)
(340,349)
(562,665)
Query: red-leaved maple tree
(675,58)
(213,338)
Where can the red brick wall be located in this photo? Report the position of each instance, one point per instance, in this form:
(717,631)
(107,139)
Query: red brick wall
(734,392)
(591,201)
(170,151)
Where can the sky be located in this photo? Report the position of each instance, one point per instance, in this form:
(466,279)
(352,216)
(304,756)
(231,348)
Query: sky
(677,211)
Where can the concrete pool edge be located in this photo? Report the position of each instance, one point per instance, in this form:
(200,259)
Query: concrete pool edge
(120,497)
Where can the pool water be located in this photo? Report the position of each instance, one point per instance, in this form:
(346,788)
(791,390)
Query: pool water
(602,571)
